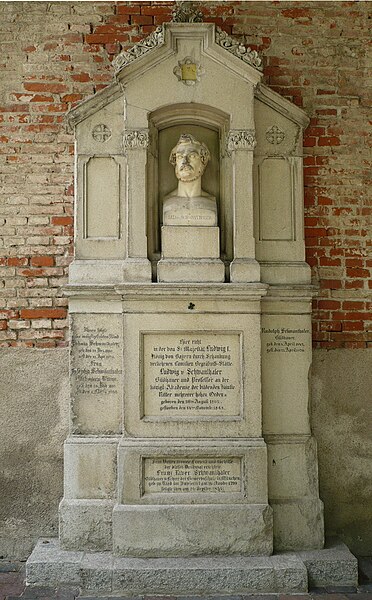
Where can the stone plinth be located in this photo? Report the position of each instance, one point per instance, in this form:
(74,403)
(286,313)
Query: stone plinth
(102,572)
(191,270)
(190,242)
(190,253)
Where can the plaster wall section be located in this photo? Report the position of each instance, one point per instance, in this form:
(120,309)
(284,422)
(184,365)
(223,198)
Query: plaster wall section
(32,474)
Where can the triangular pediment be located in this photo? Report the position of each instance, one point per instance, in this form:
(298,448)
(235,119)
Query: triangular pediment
(224,50)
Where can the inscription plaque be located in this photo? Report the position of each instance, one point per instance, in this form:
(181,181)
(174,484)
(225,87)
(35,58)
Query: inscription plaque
(96,356)
(289,340)
(192,475)
(192,374)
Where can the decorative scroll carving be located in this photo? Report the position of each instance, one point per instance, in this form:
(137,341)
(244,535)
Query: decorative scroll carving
(238,49)
(188,71)
(101,133)
(186,12)
(155,39)
(240,139)
(275,135)
(135,139)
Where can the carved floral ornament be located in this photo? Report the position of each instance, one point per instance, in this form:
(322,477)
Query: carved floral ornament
(136,139)
(154,40)
(157,39)
(238,49)
(186,12)
(240,139)
(275,135)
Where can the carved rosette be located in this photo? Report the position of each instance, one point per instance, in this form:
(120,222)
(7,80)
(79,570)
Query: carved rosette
(154,40)
(275,135)
(238,49)
(240,139)
(101,133)
(136,139)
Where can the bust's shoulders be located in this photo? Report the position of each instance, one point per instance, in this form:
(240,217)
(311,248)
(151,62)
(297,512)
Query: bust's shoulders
(174,194)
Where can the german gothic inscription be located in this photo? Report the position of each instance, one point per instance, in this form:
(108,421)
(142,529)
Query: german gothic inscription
(192,374)
(96,356)
(192,475)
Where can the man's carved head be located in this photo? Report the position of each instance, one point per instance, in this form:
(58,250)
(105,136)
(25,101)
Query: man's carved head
(189,157)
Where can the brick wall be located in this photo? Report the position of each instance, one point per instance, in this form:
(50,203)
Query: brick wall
(56,54)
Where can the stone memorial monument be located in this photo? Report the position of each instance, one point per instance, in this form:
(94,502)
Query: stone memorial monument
(190,458)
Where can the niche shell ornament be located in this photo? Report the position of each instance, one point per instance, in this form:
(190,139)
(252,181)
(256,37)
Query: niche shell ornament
(188,71)
(101,133)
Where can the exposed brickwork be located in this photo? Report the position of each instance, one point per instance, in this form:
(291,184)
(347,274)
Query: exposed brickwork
(57,54)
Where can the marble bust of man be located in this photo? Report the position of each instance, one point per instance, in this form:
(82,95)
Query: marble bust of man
(189,204)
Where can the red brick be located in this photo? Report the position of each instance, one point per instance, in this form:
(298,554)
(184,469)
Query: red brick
(141,20)
(350,316)
(331,304)
(357,272)
(53,88)
(106,38)
(82,77)
(325,92)
(329,141)
(62,220)
(356,284)
(43,313)
(31,272)
(42,261)
(14,261)
(309,141)
(330,326)
(354,345)
(72,97)
(41,98)
(352,305)
(332,284)
(296,13)
(353,326)
(131,9)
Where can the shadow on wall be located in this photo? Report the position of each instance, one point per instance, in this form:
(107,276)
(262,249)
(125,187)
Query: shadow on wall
(341,423)
(34,416)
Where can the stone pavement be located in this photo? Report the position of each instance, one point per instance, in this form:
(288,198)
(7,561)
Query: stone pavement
(12,587)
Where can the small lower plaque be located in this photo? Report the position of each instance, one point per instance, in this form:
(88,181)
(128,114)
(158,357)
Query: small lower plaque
(191,374)
(192,475)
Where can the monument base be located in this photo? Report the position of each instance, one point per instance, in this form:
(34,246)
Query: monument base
(287,572)
(192,530)
(205,270)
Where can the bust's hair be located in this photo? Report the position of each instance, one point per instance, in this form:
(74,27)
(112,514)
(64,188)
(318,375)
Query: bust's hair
(187,138)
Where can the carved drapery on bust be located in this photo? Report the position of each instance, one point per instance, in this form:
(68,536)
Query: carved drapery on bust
(189,204)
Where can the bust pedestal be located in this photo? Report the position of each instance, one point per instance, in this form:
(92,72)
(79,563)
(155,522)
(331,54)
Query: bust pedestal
(190,253)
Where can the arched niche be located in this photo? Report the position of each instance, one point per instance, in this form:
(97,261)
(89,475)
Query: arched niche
(208,125)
